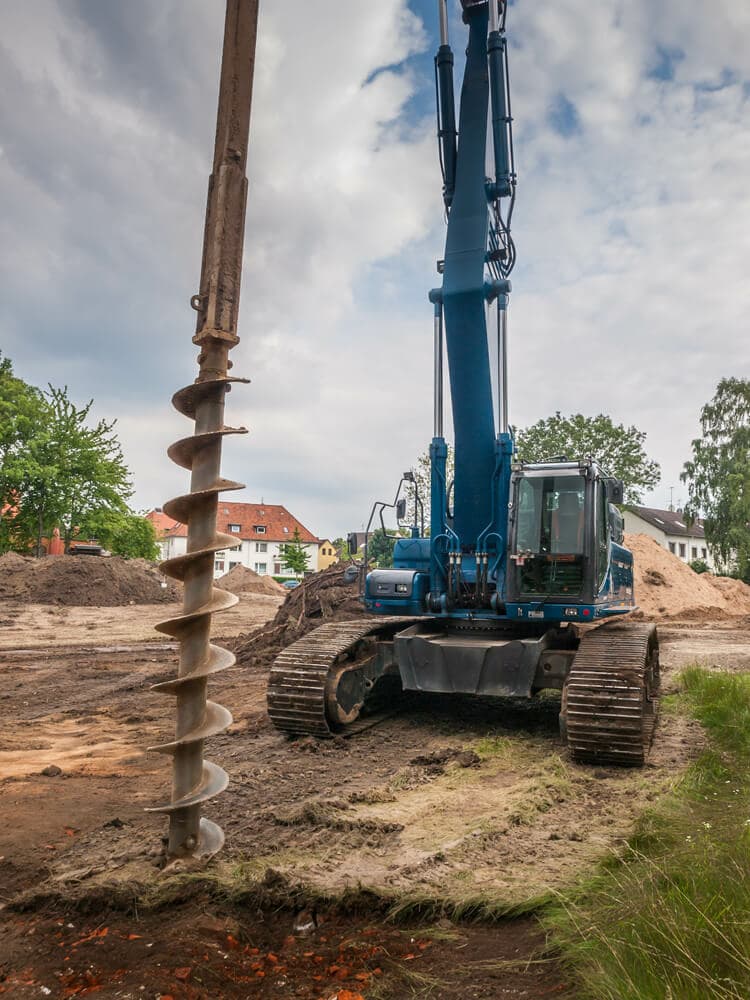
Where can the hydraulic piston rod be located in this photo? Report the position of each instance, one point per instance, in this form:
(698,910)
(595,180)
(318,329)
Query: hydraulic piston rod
(502,365)
(438,372)
(443,17)
(195,780)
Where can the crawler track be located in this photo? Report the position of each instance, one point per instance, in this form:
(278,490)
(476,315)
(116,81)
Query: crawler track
(610,702)
(300,681)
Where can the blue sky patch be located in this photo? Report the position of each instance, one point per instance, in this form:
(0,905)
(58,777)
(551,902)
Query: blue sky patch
(563,116)
(665,63)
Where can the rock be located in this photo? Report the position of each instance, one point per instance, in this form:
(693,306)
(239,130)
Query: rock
(305,923)
(52,771)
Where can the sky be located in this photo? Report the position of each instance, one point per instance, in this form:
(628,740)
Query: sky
(632,225)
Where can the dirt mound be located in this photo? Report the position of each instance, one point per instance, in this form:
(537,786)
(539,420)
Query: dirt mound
(243,580)
(666,587)
(322,597)
(84,581)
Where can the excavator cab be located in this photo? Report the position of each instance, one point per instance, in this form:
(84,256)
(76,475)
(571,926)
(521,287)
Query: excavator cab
(565,543)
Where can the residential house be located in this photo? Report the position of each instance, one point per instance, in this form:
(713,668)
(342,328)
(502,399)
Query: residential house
(669,528)
(162,524)
(327,554)
(261,531)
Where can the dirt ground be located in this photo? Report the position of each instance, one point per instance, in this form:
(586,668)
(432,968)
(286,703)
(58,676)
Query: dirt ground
(446,808)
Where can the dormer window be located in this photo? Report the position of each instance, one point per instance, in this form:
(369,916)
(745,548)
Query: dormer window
(235,528)
(260,529)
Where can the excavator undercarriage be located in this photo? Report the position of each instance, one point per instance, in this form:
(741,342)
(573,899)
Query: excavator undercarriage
(608,675)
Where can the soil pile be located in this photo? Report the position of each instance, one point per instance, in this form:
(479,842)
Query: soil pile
(84,581)
(324,597)
(666,587)
(243,580)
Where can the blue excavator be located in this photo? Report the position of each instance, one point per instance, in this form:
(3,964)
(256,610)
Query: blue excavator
(523,581)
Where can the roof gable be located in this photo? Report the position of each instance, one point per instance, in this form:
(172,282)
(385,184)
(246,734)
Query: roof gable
(671,522)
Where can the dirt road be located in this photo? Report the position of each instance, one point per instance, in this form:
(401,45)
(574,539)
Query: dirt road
(453,808)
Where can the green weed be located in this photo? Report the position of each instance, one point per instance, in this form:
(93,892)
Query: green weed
(493,746)
(670,918)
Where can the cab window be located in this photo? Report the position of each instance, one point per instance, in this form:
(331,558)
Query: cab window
(551,515)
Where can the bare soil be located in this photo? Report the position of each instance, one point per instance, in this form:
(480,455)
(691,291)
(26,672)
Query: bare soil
(243,580)
(331,595)
(449,806)
(84,581)
(667,589)
(446,810)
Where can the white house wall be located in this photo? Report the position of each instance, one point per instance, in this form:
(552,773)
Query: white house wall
(268,563)
(247,554)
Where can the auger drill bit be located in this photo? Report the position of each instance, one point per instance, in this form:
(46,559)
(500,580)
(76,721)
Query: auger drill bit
(195,780)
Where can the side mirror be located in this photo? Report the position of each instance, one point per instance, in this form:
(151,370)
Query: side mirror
(615,491)
(351,541)
(401,510)
(616,525)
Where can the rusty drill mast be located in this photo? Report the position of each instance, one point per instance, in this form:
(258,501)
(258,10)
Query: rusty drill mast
(195,780)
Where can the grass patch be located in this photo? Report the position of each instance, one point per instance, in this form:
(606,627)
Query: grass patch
(670,918)
(494,746)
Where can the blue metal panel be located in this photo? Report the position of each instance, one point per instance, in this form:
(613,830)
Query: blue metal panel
(410,604)
(464,301)
(412,553)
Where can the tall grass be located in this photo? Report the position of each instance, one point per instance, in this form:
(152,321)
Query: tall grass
(670,918)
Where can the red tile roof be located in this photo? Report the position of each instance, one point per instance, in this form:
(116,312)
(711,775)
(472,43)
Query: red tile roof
(164,525)
(273,517)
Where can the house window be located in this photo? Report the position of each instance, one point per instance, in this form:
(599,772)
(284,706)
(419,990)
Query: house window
(233,564)
(703,553)
(672,547)
(218,565)
(261,546)
(682,550)
(286,531)
(260,568)
(694,550)
(277,569)
(235,528)
(260,529)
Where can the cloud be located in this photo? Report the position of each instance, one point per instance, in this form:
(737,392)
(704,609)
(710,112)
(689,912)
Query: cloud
(632,225)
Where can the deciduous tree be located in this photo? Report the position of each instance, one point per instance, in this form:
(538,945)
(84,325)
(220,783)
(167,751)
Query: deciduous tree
(22,412)
(617,448)
(294,556)
(124,534)
(718,475)
(65,471)
(380,549)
